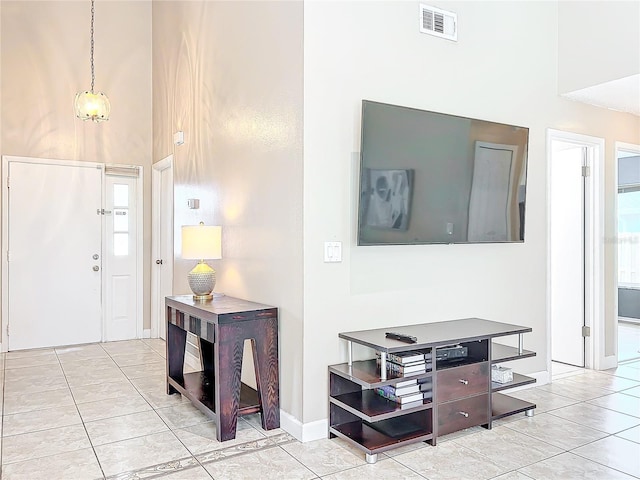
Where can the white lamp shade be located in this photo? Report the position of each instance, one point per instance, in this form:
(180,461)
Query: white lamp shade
(201,242)
(92,106)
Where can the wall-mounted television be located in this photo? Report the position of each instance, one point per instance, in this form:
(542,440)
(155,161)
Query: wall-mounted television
(428,177)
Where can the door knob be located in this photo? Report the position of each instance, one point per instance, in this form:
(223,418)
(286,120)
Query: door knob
(96,268)
(96,256)
(158,262)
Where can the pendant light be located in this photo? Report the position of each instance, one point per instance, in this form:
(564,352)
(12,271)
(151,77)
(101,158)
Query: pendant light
(90,105)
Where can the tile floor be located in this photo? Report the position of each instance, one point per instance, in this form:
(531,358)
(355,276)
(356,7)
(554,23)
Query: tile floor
(100,411)
(628,340)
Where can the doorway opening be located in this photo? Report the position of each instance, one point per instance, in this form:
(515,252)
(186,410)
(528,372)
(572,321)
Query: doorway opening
(162,247)
(628,250)
(575,282)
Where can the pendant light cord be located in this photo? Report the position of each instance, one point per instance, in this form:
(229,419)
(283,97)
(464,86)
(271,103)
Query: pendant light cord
(92,68)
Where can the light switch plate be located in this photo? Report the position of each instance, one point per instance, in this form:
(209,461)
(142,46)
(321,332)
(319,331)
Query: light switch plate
(332,252)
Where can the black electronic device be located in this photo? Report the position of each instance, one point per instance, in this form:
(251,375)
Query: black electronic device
(451,353)
(401,337)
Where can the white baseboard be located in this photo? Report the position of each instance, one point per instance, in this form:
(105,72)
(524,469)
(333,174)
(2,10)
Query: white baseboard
(146,333)
(542,378)
(608,362)
(304,432)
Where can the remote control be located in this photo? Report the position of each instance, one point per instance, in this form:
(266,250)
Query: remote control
(401,337)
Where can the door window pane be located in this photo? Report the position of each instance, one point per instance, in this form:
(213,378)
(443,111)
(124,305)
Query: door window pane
(120,195)
(629,238)
(120,244)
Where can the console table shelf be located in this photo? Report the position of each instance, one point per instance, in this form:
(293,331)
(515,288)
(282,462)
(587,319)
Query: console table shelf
(504,406)
(504,353)
(370,406)
(372,441)
(518,380)
(461,393)
(366,373)
(198,388)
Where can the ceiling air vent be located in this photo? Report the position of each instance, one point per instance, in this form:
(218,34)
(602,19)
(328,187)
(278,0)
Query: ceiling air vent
(440,23)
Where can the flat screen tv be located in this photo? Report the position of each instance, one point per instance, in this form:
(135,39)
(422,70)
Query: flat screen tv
(429,178)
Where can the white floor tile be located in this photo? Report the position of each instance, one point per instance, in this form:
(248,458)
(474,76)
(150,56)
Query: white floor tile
(112,396)
(614,452)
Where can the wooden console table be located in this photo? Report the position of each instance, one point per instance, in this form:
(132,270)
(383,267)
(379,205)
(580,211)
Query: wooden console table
(222,325)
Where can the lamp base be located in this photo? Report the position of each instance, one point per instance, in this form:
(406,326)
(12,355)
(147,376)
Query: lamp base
(202,298)
(202,280)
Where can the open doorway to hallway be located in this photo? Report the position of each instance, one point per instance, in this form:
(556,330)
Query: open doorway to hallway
(628,219)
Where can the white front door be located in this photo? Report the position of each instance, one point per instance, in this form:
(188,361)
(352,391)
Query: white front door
(121,222)
(54,253)
(162,260)
(567,233)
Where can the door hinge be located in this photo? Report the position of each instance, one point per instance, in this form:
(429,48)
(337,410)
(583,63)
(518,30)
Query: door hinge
(102,211)
(586,171)
(586,331)
(8,256)
(7,182)
(7,329)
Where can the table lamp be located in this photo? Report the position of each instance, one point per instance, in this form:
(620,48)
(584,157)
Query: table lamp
(202,242)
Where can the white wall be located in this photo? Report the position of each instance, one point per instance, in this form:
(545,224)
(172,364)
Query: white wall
(503,69)
(44,61)
(229,74)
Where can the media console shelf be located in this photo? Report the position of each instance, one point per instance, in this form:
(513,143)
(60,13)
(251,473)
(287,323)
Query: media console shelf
(462,394)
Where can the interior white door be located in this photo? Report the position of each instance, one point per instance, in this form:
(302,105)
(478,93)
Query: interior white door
(121,258)
(54,252)
(162,268)
(567,234)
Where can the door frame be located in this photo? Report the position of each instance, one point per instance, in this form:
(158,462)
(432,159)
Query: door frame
(156,248)
(595,353)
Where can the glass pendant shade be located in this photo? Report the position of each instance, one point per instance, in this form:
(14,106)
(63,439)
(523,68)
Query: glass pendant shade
(92,106)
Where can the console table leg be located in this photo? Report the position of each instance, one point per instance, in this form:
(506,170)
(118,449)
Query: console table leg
(265,360)
(176,343)
(228,349)
(529,413)
(371,458)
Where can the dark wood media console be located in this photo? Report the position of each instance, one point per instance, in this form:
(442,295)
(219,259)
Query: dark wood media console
(462,393)
(222,325)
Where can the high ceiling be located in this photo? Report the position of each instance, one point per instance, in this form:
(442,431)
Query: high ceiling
(622,95)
